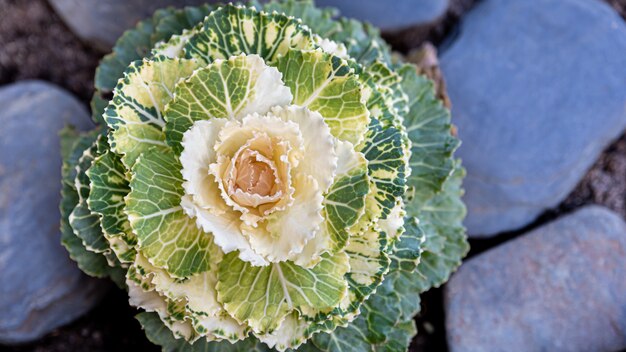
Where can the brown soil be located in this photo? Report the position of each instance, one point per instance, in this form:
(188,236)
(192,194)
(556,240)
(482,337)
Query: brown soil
(34,43)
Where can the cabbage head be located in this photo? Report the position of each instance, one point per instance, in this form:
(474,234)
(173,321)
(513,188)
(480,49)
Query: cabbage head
(264,176)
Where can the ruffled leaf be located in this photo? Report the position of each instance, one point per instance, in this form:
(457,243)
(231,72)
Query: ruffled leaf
(173,22)
(446,242)
(320,20)
(230,88)
(190,302)
(85,224)
(166,235)
(405,254)
(263,296)
(135,115)
(133,45)
(432,145)
(109,186)
(328,85)
(387,102)
(369,263)
(94,264)
(161,335)
(384,149)
(232,30)
(344,204)
(363,42)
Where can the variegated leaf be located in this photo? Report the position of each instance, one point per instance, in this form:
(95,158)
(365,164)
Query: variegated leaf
(328,85)
(167,237)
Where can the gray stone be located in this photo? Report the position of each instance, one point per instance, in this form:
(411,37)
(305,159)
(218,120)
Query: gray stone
(40,287)
(558,288)
(100,23)
(538,89)
(391,16)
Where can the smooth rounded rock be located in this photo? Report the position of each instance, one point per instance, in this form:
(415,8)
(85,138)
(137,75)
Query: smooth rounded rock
(538,90)
(40,287)
(100,22)
(390,16)
(558,288)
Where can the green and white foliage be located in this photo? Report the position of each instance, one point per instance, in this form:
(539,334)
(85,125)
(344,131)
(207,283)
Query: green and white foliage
(264,178)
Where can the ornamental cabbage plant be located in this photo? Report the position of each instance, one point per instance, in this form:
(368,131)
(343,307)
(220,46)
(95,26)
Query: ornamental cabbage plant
(264,176)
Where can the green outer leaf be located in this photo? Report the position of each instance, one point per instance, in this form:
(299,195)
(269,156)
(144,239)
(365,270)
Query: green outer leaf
(320,20)
(405,254)
(446,242)
(98,104)
(160,335)
(328,85)
(85,224)
(174,21)
(135,115)
(133,45)
(363,42)
(377,319)
(136,43)
(109,186)
(94,264)
(432,145)
(264,295)
(183,24)
(344,339)
(399,339)
(167,237)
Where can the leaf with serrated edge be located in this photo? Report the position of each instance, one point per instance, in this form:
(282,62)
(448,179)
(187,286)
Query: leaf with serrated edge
(160,335)
(195,300)
(328,85)
(166,235)
(135,114)
(263,296)
(383,148)
(85,224)
(231,88)
(232,30)
(320,20)
(405,254)
(441,219)
(93,264)
(428,127)
(109,186)
(344,204)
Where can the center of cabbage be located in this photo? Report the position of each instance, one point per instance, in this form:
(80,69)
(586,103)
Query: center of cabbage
(256,174)
(252,179)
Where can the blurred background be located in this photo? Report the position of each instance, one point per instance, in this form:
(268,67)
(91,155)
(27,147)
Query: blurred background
(537,90)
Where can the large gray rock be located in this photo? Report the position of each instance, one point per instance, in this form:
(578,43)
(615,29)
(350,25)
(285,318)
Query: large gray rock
(391,16)
(538,89)
(561,287)
(40,287)
(101,22)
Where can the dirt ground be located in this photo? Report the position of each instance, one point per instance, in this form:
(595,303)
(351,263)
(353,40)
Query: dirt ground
(35,44)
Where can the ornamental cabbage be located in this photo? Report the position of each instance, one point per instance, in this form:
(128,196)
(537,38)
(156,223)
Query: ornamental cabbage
(264,176)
